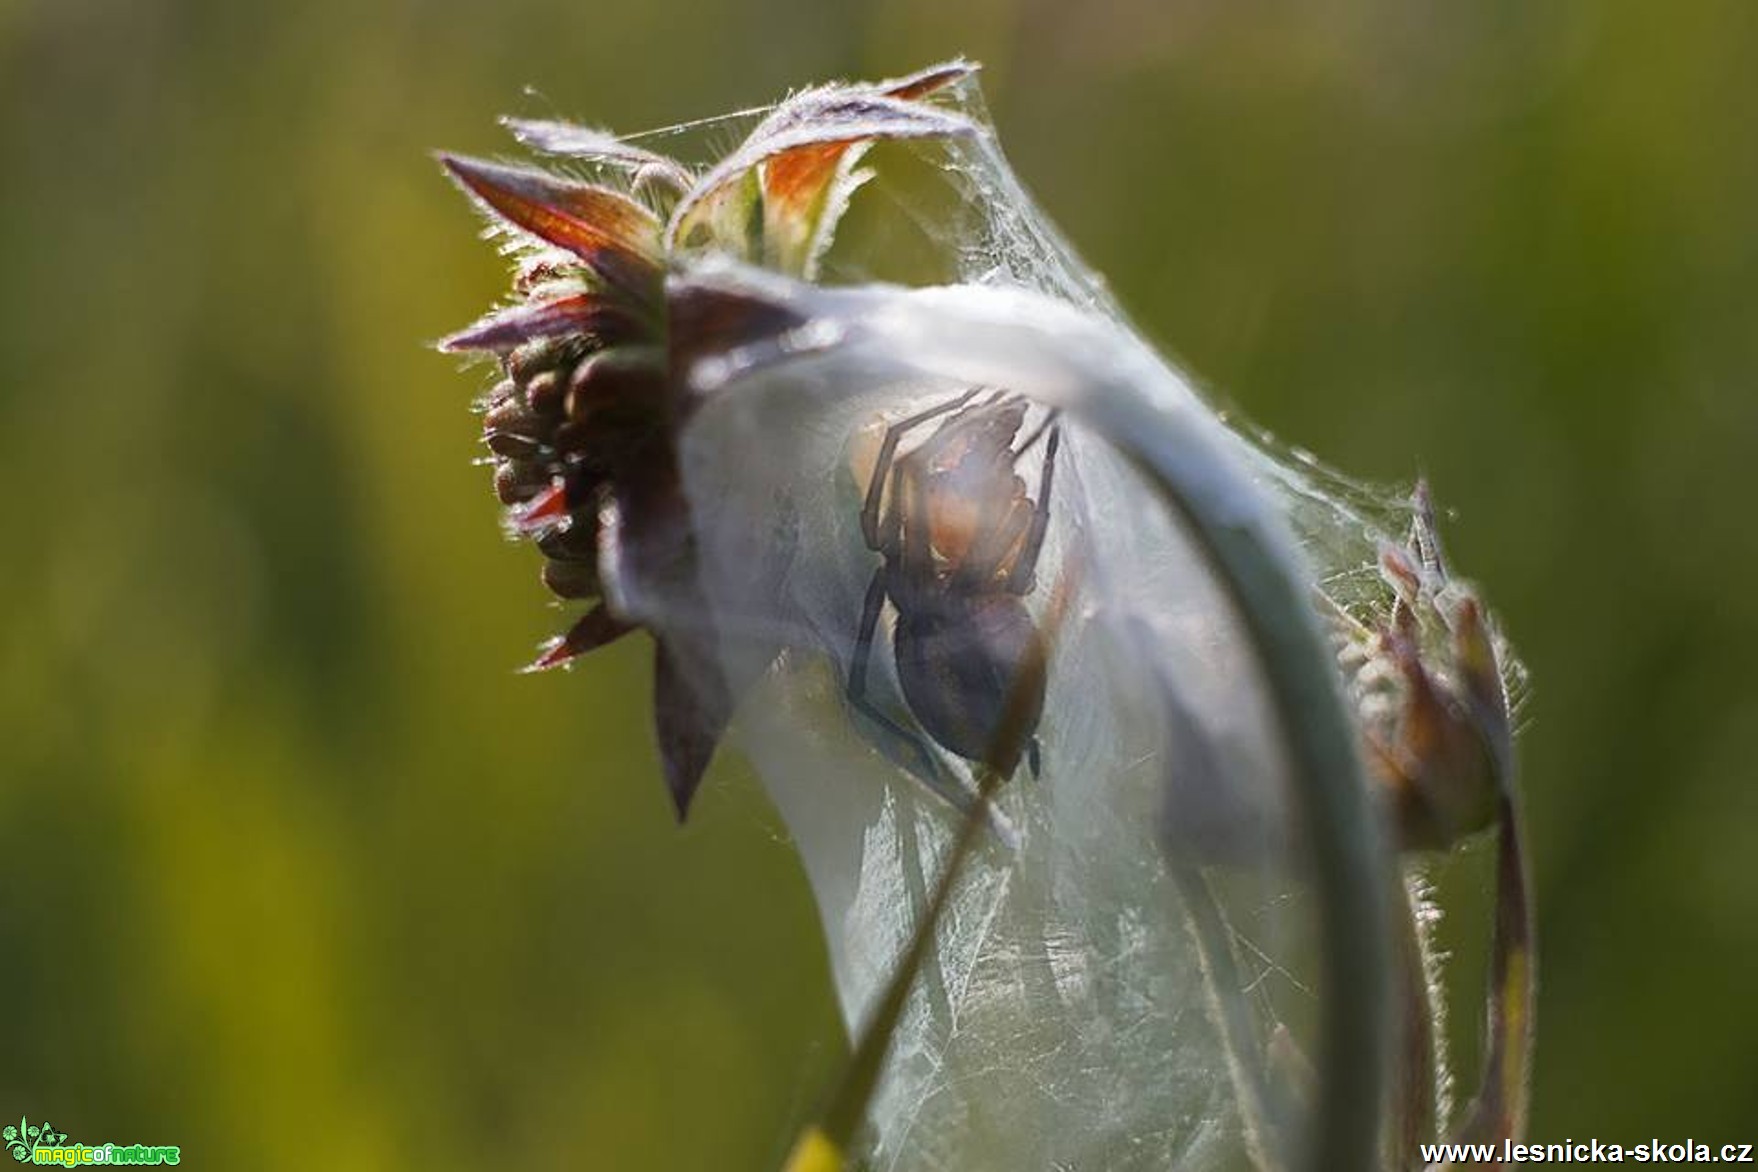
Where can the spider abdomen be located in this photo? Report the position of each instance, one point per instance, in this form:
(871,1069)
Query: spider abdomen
(959,662)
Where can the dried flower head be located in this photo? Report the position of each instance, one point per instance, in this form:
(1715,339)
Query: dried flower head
(583,426)
(1427,680)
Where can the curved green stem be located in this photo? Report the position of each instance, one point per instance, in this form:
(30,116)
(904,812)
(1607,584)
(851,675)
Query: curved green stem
(1418,1069)
(1350,865)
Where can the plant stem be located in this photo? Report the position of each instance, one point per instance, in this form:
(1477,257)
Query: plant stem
(1417,1066)
(1256,562)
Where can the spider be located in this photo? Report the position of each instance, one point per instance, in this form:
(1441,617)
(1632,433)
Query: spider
(960,541)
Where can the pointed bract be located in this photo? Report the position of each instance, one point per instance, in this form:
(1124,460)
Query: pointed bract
(597,628)
(689,717)
(1425,536)
(598,146)
(577,313)
(920,84)
(616,237)
(1474,649)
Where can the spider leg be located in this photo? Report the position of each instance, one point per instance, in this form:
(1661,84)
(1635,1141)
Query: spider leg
(888,452)
(1037,433)
(856,687)
(1021,530)
(1024,574)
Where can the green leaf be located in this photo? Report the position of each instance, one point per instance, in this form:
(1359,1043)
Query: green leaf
(728,218)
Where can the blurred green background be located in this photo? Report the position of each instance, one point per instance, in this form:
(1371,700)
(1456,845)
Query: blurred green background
(297,873)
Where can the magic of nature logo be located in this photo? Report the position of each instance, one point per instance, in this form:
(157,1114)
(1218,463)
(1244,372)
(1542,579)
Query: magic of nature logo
(41,1143)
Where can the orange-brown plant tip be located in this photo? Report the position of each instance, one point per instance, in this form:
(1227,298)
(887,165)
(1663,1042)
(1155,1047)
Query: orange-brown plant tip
(1400,570)
(499,332)
(595,629)
(548,507)
(798,176)
(613,234)
(551,654)
(935,77)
